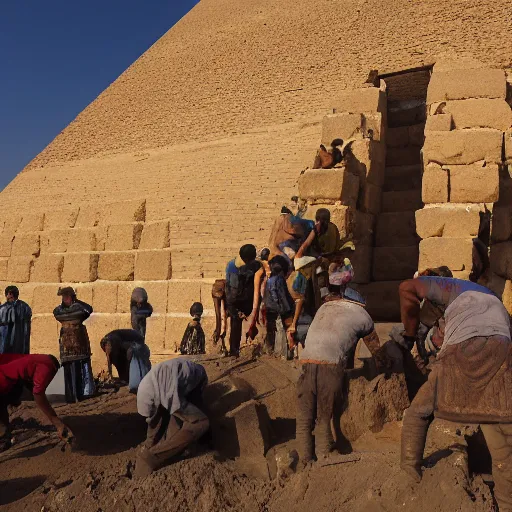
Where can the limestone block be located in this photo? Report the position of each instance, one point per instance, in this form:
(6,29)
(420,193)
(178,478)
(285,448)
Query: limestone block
(11,225)
(508,146)
(182,294)
(501,224)
(155,235)
(3,269)
(480,113)
(449,220)
(505,192)
(80,268)
(123,237)
(367,159)
(60,219)
(414,113)
(206,296)
(153,265)
(44,335)
(116,266)
(81,240)
(18,269)
(409,155)
(58,240)
(393,263)
(450,63)
(5,245)
(401,201)
(31,222)
(439,123)
(474,184)
(104,297)
(466,83)
(155,333)
(84,292)
(501,259)
(89,216)
(364,100)
(157,294)
(349,126)
(125,321)
(417,134)
(45,298)
(101,233)
(174,329)
(97,327)
(329,184)
(434,187)
(25,244)
(397,137)
(48,268)
(455,253)
(371,199)
(463,147)
(125,212)
(402,178)
(396,229)
(382,300)
(361,259)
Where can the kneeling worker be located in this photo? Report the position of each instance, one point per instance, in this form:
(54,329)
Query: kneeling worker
(170,398)
(470,381)
(34,371)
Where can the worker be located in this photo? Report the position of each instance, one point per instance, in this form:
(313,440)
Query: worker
(170,398)
(35,372)
(470,381)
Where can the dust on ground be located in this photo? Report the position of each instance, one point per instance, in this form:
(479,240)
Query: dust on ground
(37,474)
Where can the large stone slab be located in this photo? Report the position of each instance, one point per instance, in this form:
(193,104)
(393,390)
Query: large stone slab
(364,100)
(80,268)
(449,220)
(402,178)
(409,155)
(45,298)
(48,268)
(434,186)
(463,147)
(125,212)
(505,191)
(60,219)
(116,266)
(361,259)
(396,229)
(480,113)
(466,83)
(394,263)
(508,146)
(347,126)
(155,235)
(401,201)
(367,159)
(182,294)
(31,222)
(5,245)
(56,240)
(370,200)
(89,216)
(4,262)
(123,237)
(104,297)
(439,123)
(455,253)
(473,183)
(82,240)
(25,244)
(153,265)
(329,185)
(501,224)
(18,269)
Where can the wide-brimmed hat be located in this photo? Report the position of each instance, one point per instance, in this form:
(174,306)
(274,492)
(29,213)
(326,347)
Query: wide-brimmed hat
(67,290)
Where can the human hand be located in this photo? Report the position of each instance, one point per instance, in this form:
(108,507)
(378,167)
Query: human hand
(63,431)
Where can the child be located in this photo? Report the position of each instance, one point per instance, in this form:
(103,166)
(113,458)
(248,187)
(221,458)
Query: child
(193,341)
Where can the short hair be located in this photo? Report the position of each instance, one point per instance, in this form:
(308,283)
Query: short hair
(196,309)
(248,253)
(278,264)
(323,215)
(13,289)
(55,361)
(264,254)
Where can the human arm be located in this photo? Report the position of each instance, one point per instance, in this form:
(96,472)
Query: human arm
(305,245)
(45,407)
(258,278)
(411,293)
(372,342)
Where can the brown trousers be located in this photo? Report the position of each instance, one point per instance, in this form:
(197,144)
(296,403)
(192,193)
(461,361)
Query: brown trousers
(168,435)
(319,388)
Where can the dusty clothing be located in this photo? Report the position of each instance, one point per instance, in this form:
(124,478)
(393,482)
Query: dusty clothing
(78,380)
(330,241)
(15,326)
(140,310)
(335,330)
(319,388)
(193,341)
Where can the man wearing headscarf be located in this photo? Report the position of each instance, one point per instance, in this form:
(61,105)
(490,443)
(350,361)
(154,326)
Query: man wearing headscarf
(170,398)
(75,348)
(140,310)
(15,324)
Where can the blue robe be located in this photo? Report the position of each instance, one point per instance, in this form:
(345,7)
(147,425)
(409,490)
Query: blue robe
(15,323)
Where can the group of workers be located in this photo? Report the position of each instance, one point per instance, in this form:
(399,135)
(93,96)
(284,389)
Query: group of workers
(299,288)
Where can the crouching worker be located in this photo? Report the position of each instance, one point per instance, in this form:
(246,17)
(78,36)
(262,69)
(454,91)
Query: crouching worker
(170,398)
(35,372)
(336,328)
(126,350)
(471,379)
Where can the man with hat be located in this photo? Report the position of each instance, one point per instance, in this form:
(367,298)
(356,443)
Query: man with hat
(75,349)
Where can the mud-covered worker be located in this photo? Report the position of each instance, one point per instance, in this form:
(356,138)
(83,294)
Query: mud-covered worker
(240,274)
(333,334)
(15,323)
(471,380)
(35,372)
(126,350)
(170,398)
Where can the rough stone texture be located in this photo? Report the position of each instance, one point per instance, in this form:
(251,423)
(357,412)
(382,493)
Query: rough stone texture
(97,327)
(5,245)
(80,268)
(155,333)
(455,253)
(435,184)
(18,269)
(409,155)
(463,147)
(155,235)
(81,240)
(501,259)
(45,332)
(174,329)
(153,265)
(505,191)
(361,259)
(48,268)
(45,298)
(11,224)
(348,126)
(508,146)
(182,294)
(480,113)
(417,134)
(123,237)
(371,199)
(368,99)
(60,219)
(394,263)
(452,221)
(125,212)
(367,159)
(501,223)
(31,222)
(116,266)
(89,216)
(466,83)
(3,269)
(84,292)
(439,123)
(25,244)
(474,184)
(329,184)
(401,201)
(57,240)
(396,230)
(104,297)
(397,137)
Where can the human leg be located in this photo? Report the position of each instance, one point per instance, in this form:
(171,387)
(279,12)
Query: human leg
(235,335)
(306,412)
(499,441)
(70,382)
(270,338)
(5,429)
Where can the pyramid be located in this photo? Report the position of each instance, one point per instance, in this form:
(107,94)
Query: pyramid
(194,148)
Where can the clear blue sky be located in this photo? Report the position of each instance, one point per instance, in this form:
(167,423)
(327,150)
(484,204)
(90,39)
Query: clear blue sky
(56,56)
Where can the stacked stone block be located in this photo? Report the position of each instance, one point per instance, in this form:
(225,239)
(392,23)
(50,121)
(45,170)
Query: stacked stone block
(464,174)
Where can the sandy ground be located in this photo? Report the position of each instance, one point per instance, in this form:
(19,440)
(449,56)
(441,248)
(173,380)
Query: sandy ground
(36,474)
